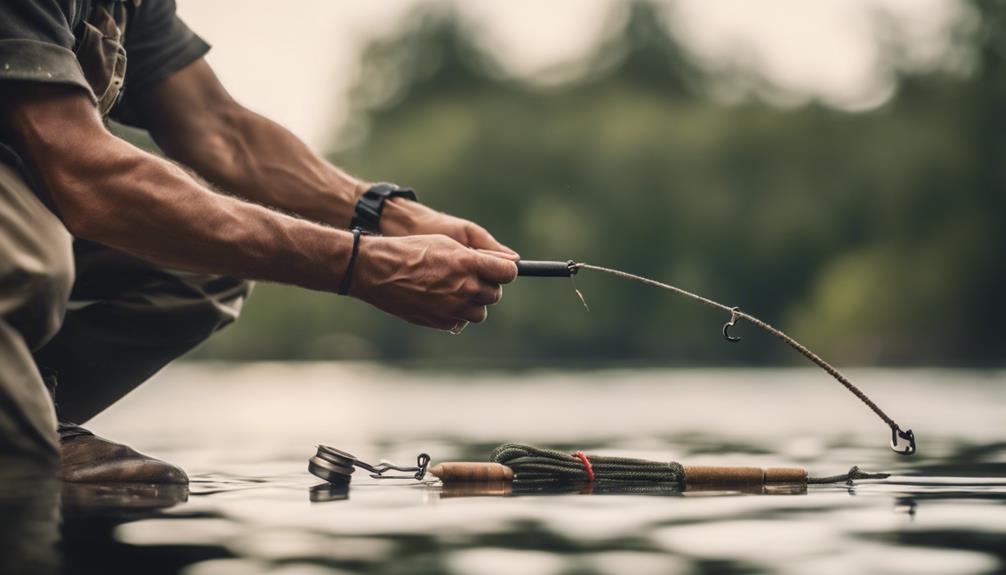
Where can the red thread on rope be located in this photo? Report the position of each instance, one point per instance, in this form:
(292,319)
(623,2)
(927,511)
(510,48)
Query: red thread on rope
(586,464)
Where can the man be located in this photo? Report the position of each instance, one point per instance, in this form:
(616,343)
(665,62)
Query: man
(113,261)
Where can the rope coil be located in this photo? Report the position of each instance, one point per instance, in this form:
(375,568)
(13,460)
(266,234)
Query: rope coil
(535,463)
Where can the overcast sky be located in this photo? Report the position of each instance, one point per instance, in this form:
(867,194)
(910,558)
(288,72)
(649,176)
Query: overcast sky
(295,65)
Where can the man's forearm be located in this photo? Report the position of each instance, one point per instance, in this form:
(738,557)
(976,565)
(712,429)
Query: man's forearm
(111,192)
(186,226)
(196,122)
(258,159)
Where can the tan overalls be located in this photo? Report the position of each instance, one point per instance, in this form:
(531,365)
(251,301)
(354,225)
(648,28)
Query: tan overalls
(104,328)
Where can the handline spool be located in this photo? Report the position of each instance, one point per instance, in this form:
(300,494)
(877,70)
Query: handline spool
(528,464)
(694,475)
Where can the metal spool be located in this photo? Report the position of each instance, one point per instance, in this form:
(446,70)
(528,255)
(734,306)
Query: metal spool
(332,465)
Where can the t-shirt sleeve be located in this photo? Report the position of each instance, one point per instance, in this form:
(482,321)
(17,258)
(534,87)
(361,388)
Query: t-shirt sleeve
(158,44)
(36,44)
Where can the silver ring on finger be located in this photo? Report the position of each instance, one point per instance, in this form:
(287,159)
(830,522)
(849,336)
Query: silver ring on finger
(459,327)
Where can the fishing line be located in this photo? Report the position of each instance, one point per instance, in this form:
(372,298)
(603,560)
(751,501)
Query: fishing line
(570,268)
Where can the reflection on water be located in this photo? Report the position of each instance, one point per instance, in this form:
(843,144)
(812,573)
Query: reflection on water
(329,492)
(29,516)
(244,435)
(123,500)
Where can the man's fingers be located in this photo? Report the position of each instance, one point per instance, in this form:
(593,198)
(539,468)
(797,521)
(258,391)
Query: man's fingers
(496,269)
(488,295)
(498,254)
(441,323)
(468,313)
(481,239)
(474,314)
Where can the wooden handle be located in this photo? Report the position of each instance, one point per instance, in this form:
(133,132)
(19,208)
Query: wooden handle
(706,474)
(469,471)
(785,475)
(475,489)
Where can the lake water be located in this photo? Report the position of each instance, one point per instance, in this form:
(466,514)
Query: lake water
(244,434)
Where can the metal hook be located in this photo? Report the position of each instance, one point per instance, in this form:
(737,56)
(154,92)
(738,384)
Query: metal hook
(733,321)
(418,472)
(908,436)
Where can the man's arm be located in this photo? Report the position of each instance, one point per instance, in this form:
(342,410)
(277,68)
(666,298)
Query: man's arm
(108,191)
(195,121)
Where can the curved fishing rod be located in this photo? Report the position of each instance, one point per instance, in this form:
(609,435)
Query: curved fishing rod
(570,268)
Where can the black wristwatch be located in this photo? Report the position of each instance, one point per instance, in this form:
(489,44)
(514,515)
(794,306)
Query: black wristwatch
(367,215)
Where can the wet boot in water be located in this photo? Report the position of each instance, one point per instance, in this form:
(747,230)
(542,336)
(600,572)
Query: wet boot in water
(87,458)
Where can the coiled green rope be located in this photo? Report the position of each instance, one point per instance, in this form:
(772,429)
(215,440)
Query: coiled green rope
(535,463)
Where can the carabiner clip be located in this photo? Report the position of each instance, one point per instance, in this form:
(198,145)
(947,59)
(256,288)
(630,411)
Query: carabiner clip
(896,435)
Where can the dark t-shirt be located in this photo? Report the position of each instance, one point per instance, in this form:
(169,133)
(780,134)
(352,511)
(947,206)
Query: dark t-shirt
(37,38)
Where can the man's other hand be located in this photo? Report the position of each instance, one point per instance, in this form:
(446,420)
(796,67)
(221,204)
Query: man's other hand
(402,217)
(430,280)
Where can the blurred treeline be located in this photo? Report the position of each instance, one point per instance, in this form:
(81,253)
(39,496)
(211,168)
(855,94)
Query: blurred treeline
(873,237)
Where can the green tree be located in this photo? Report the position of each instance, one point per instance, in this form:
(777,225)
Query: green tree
(874,236)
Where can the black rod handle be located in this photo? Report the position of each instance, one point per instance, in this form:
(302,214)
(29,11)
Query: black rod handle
(544,269)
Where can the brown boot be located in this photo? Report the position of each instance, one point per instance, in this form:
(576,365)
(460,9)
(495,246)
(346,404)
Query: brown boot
(87,458)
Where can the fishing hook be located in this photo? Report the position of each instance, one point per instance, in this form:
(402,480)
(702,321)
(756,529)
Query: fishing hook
(909,436)
(733,321)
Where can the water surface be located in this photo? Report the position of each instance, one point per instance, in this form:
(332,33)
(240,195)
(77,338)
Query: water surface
(244,434)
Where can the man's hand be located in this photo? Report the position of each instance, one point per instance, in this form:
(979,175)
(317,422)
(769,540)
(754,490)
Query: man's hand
(402,217)
(430,280)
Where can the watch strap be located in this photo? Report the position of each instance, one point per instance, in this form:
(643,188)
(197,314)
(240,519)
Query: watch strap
(367,214)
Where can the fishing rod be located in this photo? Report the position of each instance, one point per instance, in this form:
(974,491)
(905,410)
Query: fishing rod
(570,269)
(538,469)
